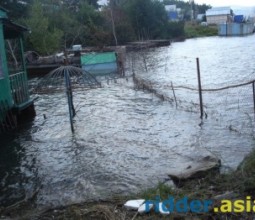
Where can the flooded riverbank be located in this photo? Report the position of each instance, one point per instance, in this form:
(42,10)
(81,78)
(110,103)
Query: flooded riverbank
(125,140)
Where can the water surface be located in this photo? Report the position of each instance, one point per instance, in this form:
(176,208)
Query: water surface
(127,140)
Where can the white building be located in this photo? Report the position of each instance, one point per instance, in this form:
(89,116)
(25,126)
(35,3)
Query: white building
(219,15)
(174,13)
(170,8)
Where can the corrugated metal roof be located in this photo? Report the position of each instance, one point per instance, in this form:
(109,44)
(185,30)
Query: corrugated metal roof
(219,8)
(218,11)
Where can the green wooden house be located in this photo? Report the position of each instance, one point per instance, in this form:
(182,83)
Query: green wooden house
(14,95)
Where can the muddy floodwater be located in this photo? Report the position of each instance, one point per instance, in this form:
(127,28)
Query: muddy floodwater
(127,140)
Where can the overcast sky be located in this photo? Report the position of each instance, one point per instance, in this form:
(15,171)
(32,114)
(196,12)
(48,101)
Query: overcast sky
(227,2)
(244,7)
(217,2)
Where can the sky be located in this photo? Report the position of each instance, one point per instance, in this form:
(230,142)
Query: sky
(217,2)
(244,7)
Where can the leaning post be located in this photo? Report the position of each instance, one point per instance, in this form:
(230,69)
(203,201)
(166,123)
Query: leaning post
(253,88)
(200,90)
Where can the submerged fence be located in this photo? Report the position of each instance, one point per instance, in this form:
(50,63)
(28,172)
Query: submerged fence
(232,105)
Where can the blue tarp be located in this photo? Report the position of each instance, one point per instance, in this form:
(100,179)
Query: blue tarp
(238,18)
(172,15)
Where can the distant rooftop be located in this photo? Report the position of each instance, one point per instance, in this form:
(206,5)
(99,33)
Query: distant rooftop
(219,8)
(218,11)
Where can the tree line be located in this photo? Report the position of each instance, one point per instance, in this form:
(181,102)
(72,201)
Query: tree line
(59,24)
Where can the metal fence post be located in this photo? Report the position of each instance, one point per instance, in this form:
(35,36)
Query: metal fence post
(69,98)
(200,90)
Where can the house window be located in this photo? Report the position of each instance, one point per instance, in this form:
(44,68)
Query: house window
(1,69)
(14,56)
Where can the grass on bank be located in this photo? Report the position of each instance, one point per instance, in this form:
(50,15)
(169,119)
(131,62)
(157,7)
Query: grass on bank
(193,30)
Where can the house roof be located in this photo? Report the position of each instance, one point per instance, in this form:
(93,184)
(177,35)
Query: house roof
(3,12)
(3,9)
(218,11)
(12,30)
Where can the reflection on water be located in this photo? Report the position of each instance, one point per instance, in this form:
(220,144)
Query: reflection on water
(124,140)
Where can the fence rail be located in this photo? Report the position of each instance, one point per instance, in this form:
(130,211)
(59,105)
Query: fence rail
(19,88)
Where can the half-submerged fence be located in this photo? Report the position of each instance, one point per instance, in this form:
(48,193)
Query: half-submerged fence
(233,105)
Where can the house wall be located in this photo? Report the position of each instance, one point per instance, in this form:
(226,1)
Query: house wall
(14,97)
(5,90)
(217,19)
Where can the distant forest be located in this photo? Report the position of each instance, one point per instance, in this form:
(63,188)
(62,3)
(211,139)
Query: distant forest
(59,24)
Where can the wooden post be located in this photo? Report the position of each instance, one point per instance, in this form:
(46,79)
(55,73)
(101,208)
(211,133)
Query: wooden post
(174,95)
(200,90)
(253,88)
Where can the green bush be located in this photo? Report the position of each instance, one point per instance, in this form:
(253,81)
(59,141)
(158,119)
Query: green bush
(192,31)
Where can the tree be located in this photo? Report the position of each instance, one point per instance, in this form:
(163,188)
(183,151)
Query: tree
(74,5)
(66,21)
(148,18)
(113,22)
(80,22)
(92,23)
(16,9)
(118,21)
(43,39)
(175,29)
(203,8)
